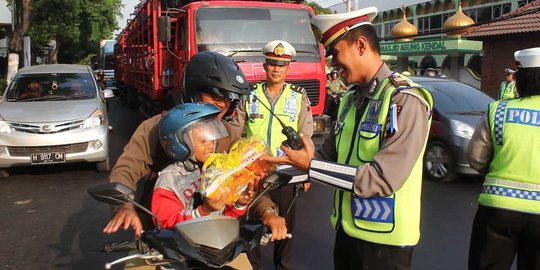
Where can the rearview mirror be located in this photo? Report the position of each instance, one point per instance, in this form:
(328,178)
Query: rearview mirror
(164,29)
(108,93)
(112,193)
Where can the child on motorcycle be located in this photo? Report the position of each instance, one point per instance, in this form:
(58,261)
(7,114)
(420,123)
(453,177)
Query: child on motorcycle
(189,134)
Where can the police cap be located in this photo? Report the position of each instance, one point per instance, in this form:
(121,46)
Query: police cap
(330,28)
(279,52)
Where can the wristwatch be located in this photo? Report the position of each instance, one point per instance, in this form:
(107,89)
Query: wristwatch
(271,210)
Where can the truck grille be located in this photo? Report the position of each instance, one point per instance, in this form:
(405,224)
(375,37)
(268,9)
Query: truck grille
(21,151)
(46,128)
(312,89)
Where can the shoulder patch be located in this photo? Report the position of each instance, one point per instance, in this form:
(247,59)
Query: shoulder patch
(298,89)
(399,80)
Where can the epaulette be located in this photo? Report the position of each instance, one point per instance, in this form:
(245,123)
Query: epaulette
(399,80)
(298,89)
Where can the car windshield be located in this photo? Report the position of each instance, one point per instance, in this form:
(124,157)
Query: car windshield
(457,98)
(242,32)
(51,87)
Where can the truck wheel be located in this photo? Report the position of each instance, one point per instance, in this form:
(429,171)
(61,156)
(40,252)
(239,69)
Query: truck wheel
(132,99)
(103,166)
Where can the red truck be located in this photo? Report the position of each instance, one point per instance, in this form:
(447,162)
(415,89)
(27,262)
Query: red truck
(153,49)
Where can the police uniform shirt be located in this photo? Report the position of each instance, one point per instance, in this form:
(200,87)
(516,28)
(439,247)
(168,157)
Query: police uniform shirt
(305,119)
(395,159)
(480,148)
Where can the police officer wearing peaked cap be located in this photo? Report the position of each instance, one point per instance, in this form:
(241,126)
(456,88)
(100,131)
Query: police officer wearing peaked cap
(508,217)
(373,155)
(291,105)
(508,86)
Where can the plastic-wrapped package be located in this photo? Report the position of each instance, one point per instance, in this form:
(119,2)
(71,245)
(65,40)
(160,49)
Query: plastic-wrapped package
(234,170)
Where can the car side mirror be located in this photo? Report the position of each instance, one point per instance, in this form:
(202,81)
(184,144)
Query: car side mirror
(108,93)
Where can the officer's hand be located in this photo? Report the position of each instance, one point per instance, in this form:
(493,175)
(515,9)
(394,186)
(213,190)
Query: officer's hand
(126,216)
(248,195)
(277,226)
(297,158)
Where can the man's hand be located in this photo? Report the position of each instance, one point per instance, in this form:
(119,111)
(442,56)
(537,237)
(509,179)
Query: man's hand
(297,158)
(126,216)
(276,224)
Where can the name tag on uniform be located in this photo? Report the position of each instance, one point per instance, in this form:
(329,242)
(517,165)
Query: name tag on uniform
(370,127)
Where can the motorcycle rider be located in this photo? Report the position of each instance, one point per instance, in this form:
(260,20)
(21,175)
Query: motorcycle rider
(189,134)
(209,77)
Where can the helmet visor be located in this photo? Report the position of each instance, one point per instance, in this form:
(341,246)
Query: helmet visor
(204,135)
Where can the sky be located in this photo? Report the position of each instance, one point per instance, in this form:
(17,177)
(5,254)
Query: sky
(337,5)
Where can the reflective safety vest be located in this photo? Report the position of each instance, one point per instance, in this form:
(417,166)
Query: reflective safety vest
(392,220)
(513,181)
(263,124)
(508,90)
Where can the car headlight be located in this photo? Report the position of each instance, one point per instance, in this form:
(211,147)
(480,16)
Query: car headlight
(4,127)
(461,129)
(95,120)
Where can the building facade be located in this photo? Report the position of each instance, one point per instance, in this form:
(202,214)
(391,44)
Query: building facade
(433,46)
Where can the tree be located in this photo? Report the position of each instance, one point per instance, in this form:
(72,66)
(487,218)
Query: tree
(318,9)
(21,10)
(75,26)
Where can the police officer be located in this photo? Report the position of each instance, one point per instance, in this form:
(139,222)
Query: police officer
(373,155)
(508,86)
(505,147)
(269,103)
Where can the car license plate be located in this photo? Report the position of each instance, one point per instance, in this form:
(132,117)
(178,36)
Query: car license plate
(53,157)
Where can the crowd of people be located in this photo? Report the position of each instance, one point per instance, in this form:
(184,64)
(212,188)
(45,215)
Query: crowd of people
(372,156)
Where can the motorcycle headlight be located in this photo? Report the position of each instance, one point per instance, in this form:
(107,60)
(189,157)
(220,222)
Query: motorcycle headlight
(4,127)
(95,120)
(461,129)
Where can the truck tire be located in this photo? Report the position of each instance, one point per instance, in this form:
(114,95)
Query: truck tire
(4,173)
(132,99)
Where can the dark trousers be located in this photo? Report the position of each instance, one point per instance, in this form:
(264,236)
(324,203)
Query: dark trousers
(282,259)
(352,253)
(498,234)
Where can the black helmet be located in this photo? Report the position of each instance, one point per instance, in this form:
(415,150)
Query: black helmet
(215,74)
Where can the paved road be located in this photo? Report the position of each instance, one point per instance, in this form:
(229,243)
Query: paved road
(49,221)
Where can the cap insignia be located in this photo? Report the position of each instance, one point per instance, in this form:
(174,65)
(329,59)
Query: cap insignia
(279,49)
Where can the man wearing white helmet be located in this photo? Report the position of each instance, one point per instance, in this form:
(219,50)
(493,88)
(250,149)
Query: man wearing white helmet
(505,148)
(269,100)
(373,155)
(508,86)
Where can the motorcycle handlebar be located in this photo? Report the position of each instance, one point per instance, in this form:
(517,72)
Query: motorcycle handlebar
(120,246)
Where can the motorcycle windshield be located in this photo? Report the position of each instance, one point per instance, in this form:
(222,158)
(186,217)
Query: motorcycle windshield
(241,32)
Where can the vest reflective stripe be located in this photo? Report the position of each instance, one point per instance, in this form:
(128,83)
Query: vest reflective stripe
(392,220)
(514,183)
(379,209)
(512,192)
(499,121)
(262,123)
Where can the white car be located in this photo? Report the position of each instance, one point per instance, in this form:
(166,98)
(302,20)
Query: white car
(53,114)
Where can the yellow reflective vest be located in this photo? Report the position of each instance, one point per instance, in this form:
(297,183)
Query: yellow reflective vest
(265,125)
(513,181)
(393,220)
